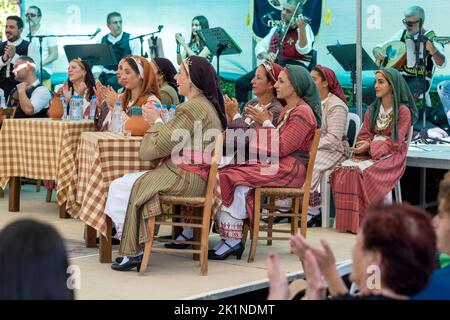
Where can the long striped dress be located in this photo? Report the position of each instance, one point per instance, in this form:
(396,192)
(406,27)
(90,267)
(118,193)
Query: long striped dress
(296,132)
(167,178)
(360,181)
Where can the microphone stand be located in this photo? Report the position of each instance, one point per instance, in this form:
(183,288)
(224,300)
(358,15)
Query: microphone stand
(421,58)
(141,40)
(41,37)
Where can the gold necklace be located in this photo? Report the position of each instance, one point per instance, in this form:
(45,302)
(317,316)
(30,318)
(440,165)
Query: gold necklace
(384,120)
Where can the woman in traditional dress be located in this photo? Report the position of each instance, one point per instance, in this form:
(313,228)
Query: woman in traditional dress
(129,195)
(293,135)
(333,145)
(379,158)
(165,73)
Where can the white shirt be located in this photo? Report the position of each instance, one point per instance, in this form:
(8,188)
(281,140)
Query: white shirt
(264,44)
(40,97)
(33,49)
(16,56)
(135,47)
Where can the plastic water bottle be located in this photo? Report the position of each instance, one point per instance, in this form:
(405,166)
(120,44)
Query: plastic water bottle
(164,113)
(116,121)
(173,109)
(2,99)
(92,107)
(64,104)
(76,108)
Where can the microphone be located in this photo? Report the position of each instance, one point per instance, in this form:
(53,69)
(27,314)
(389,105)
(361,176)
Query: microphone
(160,27)
(96,33)
(178,45)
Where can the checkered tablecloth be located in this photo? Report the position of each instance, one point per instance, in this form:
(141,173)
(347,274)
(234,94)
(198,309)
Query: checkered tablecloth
(101,158)
(40,149)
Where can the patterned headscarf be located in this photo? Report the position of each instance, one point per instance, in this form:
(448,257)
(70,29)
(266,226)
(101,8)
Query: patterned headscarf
(273,69)
(204,77)
(400,94)
(333,83)
(305,88)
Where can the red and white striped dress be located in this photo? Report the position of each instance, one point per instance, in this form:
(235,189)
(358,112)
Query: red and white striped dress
(355,187)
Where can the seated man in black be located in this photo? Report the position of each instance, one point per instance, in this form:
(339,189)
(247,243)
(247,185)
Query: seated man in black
(121,45)
(29,97)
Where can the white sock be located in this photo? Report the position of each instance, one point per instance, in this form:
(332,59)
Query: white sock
(218,245)
(124,260)
(231,243)
(313,211)
(188,233)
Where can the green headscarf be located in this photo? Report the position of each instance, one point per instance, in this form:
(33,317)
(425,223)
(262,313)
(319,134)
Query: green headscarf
(306,89)
(401,95)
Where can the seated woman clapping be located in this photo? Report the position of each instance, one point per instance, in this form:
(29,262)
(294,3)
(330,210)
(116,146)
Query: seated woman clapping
(393,258)
(140,87)
(128,195)
(287,146)
(165,73)
(379,158)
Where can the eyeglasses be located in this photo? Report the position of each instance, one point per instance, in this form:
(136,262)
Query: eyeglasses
(410,23)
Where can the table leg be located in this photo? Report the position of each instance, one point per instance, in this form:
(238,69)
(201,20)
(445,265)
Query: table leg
(14,194)
(423,187)
(106,243)
(90,237)
(62,212)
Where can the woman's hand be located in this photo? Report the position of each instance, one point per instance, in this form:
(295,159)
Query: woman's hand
(316,289)
(361,147)
(98,92)
(180,39)
(299,246)
(111,96)
(325,258)
(150,113)
(278,283)
(67,92)
(259,116)
(231,107)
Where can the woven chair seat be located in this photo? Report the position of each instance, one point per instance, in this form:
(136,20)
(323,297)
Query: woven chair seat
(282,192)
(184,201)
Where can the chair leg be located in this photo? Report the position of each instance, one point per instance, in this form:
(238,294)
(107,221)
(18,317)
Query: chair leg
(48,198)
(325,195)
(304,216)
(2,193)
(295,212)
(38,185)
(245,230)
(256,222)
(148,245)
(204,244)
(270,222)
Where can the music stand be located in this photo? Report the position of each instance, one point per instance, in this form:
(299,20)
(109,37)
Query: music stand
(345,55)
(99,54)
(219,42)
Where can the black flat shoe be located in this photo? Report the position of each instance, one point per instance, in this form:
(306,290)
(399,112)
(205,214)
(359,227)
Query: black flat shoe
(315,221)
(130,264)
(236,250)
(173,245)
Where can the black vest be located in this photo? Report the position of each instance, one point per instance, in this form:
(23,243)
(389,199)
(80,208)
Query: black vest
(429,61)
(21,50)
(14,102)
(121,48)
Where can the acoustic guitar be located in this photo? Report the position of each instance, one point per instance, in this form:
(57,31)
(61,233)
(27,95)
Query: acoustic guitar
(395,52)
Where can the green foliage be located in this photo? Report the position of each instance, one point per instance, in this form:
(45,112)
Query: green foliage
(227,87)
(7,8)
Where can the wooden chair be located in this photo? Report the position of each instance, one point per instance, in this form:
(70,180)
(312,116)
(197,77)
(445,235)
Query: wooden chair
(7,113)
(295,194)
(201,223)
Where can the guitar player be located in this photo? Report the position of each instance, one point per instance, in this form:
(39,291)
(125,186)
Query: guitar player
(414,17)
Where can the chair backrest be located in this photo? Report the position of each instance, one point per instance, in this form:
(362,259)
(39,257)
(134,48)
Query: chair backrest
(353,117)
(410,134)
(309,170)
(212,177)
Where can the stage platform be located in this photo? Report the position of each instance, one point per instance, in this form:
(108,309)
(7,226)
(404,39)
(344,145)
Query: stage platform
(169,276)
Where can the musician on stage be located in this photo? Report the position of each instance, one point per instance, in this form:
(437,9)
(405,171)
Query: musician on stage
(414,16)
(294,50)
(121,45)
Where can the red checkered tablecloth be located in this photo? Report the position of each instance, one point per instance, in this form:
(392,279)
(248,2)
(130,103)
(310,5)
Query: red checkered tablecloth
(101,158)
(40,148)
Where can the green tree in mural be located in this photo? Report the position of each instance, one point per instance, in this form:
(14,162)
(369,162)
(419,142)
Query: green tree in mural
(7,8)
